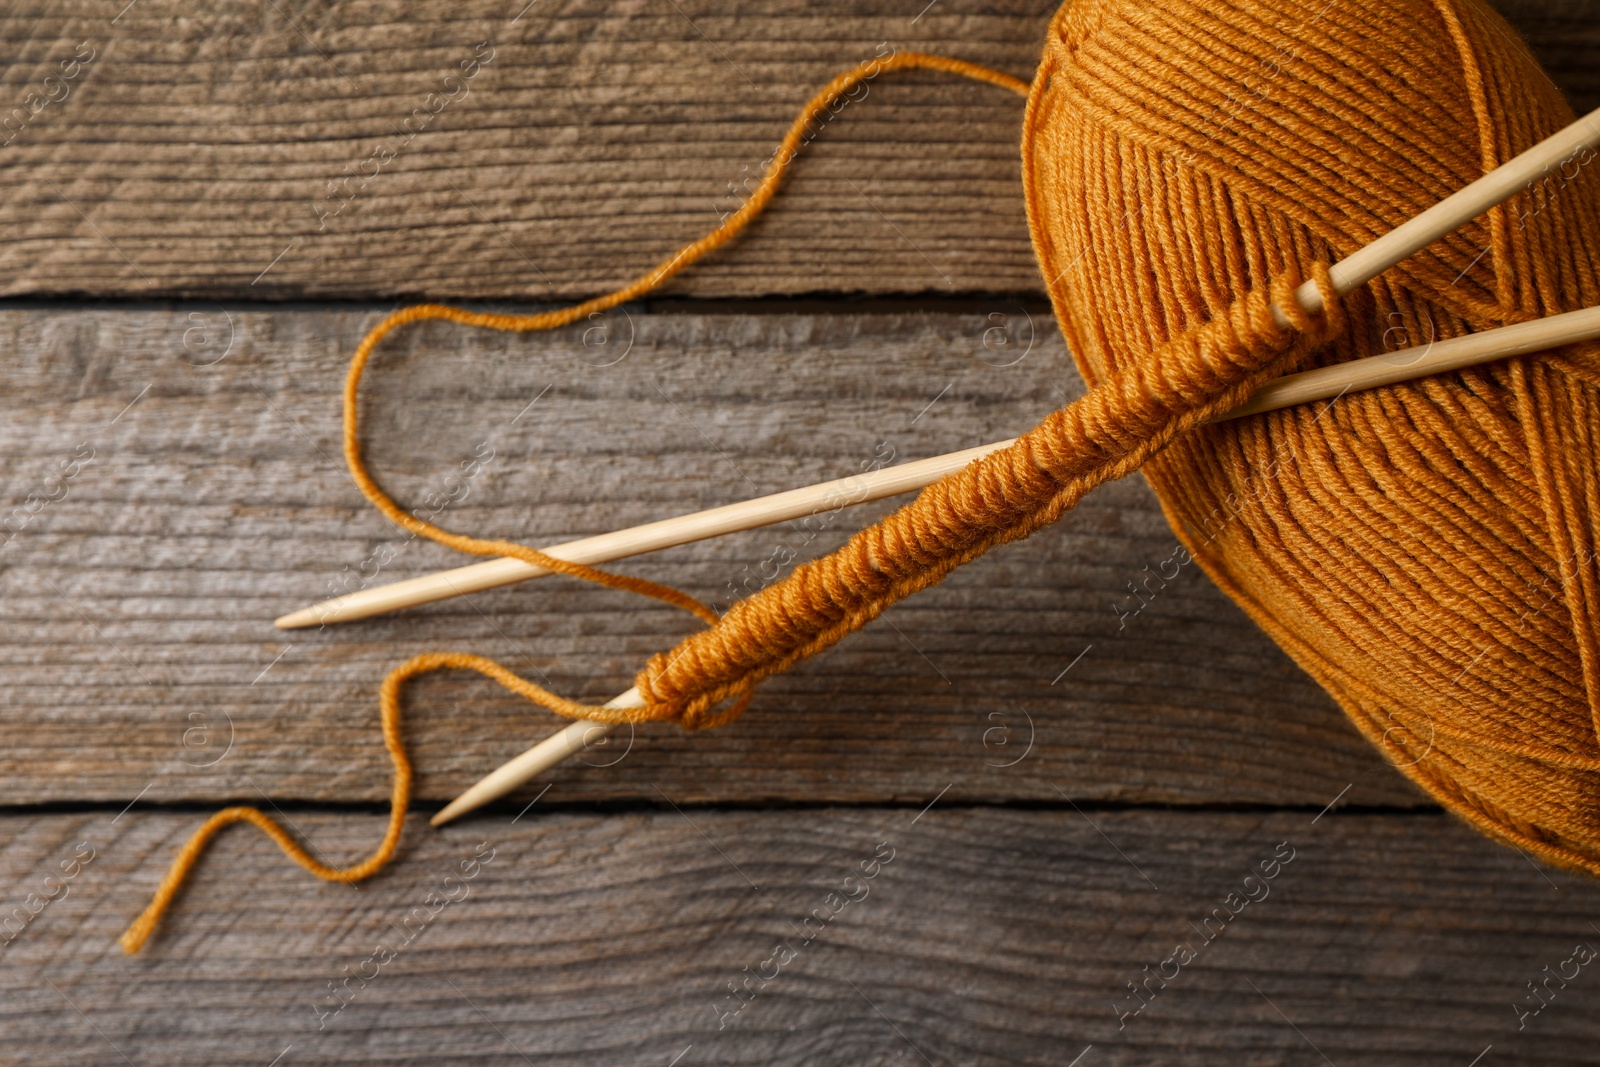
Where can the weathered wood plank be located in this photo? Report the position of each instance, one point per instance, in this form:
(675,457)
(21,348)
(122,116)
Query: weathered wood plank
(988,936)
(198,153)
(139,640)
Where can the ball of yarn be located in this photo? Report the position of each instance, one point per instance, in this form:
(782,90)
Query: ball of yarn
(1425,551)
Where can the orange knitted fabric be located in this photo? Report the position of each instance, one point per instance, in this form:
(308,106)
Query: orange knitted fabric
(1425,551)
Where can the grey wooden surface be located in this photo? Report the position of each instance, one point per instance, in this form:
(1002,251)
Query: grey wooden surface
(219,500)
(1069,789)
(990,936)
(193,153)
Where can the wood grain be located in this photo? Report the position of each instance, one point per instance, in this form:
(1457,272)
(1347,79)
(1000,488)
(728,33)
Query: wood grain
(197,153)
(141,602)
(989,936)
(1069,788)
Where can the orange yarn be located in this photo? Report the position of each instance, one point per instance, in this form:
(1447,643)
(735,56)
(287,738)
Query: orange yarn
(389,695)
(139,931)
(1426,552)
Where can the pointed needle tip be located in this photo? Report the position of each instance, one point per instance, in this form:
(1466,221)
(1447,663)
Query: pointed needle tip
(297,619)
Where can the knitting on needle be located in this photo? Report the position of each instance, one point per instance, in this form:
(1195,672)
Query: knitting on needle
(1325,383)
(1347,275)
(1353,272)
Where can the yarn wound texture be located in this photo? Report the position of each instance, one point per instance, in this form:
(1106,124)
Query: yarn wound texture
(1425,551)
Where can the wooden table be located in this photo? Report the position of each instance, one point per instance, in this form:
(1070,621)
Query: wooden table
(1049,793)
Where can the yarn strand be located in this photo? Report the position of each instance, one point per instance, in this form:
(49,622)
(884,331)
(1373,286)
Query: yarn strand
(134,938)
(731,227)
(400,795)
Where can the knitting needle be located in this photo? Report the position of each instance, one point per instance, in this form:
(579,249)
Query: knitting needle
(1439,357)
(1354,271)
(1323,383)
(892,481)
(580,734)
(651,537)
(1347,275)
(1451,213)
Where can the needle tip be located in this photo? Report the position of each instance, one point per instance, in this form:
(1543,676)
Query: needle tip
(297,619)
(448,813)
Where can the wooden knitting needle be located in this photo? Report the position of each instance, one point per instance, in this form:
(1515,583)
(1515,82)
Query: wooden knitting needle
(893,481)
(1347,275)
(1325,383)
(1330,382)
(1453,212)
(576,737)
(651,537)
